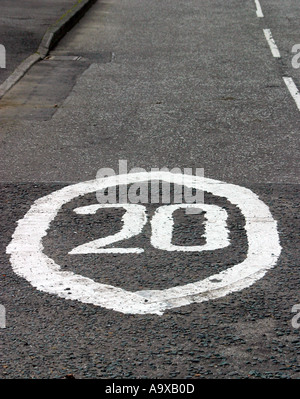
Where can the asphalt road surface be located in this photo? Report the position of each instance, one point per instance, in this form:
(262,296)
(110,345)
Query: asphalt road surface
(148,290)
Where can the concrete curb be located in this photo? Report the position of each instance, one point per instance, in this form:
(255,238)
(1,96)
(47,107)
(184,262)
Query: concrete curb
(52,36)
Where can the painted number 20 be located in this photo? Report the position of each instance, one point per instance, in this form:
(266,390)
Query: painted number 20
(135,218)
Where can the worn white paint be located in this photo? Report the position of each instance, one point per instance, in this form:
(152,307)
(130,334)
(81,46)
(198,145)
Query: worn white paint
(293,90)
(29,261)
(133,220)
(259,12)
(273,47)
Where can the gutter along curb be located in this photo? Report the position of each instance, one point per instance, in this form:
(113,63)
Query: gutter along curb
(52,36)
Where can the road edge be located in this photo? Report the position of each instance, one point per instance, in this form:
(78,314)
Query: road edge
(51,37)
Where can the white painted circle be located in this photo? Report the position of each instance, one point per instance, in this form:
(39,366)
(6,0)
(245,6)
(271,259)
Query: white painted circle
(29,261)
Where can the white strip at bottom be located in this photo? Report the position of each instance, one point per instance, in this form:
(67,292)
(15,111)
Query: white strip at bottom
(293,90)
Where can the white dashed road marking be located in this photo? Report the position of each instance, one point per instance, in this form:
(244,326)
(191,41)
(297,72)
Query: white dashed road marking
(293,90)
(133,220)
(271,42)
(259,12)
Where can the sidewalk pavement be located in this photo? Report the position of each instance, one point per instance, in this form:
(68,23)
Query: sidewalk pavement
(23,25)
